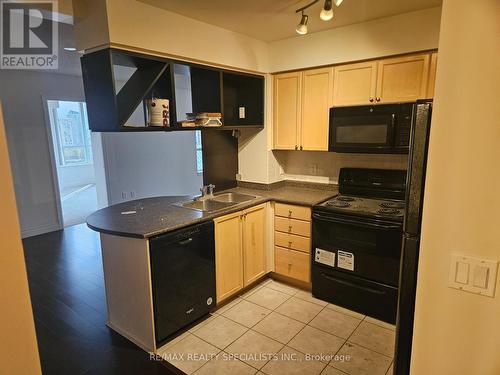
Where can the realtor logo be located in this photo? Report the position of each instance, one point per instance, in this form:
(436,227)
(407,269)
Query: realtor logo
(29,34)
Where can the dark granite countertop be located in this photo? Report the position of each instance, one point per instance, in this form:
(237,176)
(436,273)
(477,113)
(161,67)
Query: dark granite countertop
(144,218)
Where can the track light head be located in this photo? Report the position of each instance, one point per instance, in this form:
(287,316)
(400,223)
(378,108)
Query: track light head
(302,26)
(327,11)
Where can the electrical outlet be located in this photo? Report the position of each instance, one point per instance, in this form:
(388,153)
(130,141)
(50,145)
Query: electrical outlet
(242,112)
(238,177)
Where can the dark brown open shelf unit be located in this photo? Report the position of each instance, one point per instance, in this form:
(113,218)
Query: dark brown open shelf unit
(212,90)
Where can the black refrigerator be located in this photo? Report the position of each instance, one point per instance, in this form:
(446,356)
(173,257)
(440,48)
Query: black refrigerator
(417,162)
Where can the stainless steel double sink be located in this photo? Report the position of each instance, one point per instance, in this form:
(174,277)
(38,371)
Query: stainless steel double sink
(217,202)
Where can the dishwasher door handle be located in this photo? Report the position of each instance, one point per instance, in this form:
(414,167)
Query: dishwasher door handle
(186,241)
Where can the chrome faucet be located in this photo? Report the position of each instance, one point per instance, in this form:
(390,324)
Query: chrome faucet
(207,191)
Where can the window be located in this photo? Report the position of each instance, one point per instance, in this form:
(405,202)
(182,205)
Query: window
(199,152)
(71,132)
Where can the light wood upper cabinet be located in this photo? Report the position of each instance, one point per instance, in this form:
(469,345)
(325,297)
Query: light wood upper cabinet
(287,103)
(317,87)
(228,255)
(354,84)
(254,244)
(402,79)
(432,76)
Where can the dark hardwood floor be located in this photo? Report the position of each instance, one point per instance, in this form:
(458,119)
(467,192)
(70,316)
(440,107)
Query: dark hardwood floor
(67,293)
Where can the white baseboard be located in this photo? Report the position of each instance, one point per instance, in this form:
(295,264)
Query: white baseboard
(30,232)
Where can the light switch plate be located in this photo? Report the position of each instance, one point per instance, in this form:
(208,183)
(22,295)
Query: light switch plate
(473,275)
(241,112)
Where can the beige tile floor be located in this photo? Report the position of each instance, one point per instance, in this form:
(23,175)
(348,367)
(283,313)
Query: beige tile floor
(277,329)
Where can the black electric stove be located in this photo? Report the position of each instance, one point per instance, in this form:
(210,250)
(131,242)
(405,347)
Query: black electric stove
(357,242)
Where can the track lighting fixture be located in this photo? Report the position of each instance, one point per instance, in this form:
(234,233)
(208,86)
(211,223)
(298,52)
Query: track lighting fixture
(302,26)
(327,11)
(326,14)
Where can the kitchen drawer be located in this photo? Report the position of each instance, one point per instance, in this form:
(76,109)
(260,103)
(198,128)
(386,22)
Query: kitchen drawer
(292,263)
(292,212)
(292,241)
(294,226)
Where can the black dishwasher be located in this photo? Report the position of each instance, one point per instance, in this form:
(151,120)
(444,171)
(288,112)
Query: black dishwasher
(183,277)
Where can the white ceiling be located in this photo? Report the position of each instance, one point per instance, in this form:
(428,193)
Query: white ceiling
(270,20)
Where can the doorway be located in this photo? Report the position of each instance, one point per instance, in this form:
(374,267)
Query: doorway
(73,160)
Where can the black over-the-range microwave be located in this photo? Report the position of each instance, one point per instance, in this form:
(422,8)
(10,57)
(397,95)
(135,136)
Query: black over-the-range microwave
(383,128)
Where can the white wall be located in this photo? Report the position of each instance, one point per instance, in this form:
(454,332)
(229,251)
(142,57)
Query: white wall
(458,332)
(21,93)
(403,33)
(150,164)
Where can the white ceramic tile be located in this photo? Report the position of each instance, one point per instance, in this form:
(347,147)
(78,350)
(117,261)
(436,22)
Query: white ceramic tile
(307,296)
(380,323)
(254,348)
(391,370)
(292,362)
(299,309)
(190,354)
(268,298)
(329,370)
(229,305)
(361,361)
(207,320)
(247,313)
(282,287)
(336,323)
(279,327)
(375,338)
(224,364)
(345,311)
(221,332)
(316,343)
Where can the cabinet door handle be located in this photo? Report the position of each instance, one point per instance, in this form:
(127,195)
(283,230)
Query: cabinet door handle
(289,213)
(296,147)
(301,148)
(377,99)
(289,228)
(371,100)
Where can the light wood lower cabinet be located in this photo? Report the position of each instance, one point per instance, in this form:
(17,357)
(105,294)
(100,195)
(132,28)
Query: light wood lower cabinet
(240,250)
(254,243)
(228,255)
(293,212)
(292,240)
(291,263)
(293,226)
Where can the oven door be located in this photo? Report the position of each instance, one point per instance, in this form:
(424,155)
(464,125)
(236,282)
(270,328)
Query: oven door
(367,248)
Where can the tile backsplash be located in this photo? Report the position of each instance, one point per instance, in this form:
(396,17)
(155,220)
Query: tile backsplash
(324,167)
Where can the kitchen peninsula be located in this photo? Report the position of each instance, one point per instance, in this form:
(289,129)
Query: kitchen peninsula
(222,251)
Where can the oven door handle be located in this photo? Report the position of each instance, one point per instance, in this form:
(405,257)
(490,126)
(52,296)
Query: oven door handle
(365,288)
(356,223)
